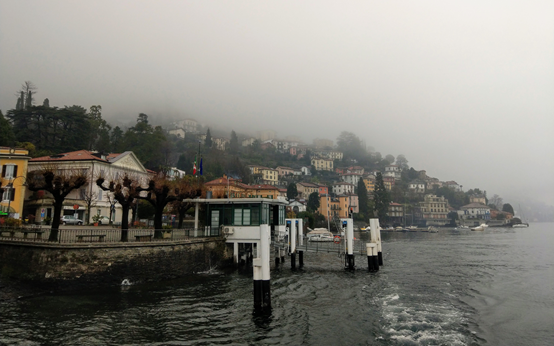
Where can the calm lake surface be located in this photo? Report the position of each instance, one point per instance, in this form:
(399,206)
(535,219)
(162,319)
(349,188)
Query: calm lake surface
(449,288)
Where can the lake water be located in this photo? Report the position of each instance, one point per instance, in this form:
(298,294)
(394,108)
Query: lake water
(449,288)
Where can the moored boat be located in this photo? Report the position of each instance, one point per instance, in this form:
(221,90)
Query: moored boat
(481,227)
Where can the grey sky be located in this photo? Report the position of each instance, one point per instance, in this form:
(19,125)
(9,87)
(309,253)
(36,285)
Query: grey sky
(464,89)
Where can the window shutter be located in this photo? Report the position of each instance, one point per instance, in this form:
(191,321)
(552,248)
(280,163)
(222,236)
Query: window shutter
(15,171)
(12,194)
(3,171)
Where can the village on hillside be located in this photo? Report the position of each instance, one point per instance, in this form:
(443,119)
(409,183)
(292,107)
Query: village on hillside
(322,181)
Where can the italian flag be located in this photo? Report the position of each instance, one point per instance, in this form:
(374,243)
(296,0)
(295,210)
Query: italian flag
(194,167)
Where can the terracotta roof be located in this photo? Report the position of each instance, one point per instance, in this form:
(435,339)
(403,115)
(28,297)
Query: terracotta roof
(79,155)
(222,180)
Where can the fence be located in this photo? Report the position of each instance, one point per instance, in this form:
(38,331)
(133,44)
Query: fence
(101,235)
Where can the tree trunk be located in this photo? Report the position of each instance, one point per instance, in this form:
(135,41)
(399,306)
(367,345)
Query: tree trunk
(158,223)
(58,205)
(125,222)
(88,213)
(181,217)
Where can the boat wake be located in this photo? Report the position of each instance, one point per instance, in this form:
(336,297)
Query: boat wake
(417,320)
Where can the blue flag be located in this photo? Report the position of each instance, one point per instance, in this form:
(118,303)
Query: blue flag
(200,165)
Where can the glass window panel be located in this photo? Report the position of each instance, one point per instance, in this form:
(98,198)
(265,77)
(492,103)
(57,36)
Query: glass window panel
(255,216)
(246,219)
(238,217)
(215,218)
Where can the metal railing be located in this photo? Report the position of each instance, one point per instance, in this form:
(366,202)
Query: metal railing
(101,235)
(359,246)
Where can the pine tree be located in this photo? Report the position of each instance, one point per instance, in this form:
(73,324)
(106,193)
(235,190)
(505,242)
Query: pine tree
(381,199)
(7,137)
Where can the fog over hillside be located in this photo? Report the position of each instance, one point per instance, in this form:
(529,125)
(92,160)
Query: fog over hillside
(462,88)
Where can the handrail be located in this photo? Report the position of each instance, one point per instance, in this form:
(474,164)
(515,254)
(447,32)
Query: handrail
(100,235)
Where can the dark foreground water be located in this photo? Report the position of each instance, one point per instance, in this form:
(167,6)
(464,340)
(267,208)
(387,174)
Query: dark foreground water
(448,288)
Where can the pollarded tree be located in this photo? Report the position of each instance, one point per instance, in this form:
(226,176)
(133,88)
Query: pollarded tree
(125,190)
(161,191)
(59,182)
(381,199)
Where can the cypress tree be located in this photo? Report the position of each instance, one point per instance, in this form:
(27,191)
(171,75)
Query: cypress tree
(381,199)
(362,198)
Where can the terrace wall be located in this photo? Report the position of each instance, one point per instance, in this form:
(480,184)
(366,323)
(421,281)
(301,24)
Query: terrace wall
(73,264)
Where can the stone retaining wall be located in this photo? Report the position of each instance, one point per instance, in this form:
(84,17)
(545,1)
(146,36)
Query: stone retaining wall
(59,264)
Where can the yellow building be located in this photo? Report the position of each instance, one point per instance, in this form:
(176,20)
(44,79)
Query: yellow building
(13,162)
(369,184)
(322,164)
(270,176)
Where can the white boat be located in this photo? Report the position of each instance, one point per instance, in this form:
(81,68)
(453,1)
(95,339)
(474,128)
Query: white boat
(520,225)
(462,227)
(480,227)
(320,234)
(320,237)
(432,229)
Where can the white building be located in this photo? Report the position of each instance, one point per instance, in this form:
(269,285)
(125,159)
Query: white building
(475,211)
(177,132)
(417,186)
(94,165)
(393,171)
(343,188)
(352,178)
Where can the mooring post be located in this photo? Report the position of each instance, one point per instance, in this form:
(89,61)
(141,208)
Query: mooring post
(300,231)
(376,238)
(292,243)
(265,240)
(258,289)
(348,227)
(371,249)
(236,253)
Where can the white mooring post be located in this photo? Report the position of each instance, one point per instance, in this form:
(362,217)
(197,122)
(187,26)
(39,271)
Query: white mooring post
(348,227)
(372,261)
(291,227)
(376,238)
(262,278)
(236,253)
(300,234)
